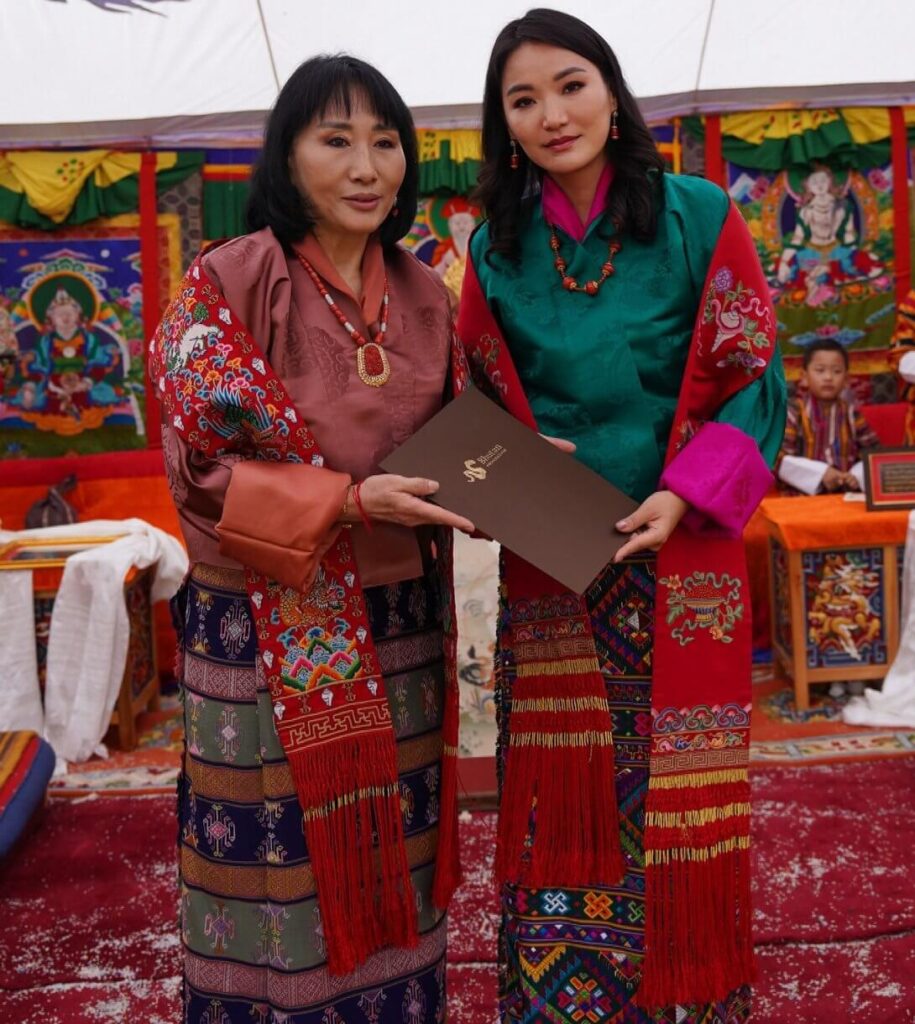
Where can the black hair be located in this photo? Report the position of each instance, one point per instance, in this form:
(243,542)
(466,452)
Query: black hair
(638,165)
(320,84)
(824,345)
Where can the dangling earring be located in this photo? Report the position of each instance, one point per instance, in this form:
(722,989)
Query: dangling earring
(614,126)
(515,161)
(396,208)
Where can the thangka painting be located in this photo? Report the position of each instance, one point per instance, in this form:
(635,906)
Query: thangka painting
(72,365)
(825,238)
(440,234)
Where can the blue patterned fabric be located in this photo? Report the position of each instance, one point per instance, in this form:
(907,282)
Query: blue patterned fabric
(573,956)
(250,919)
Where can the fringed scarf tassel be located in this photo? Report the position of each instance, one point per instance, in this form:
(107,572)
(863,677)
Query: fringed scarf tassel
(698,943)
(558,819)
(352,820)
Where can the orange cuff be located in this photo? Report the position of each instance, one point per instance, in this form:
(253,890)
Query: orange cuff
(280,518)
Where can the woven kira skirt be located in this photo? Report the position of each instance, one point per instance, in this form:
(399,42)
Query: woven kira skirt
(573,956)
(250,925)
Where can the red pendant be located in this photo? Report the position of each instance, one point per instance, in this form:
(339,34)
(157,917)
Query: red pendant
(372,364)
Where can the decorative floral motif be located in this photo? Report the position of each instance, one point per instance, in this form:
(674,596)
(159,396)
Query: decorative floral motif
(220,926)
(370,1003)
(219,830)
(414,1003)
(227,736)
(270,944)
(707,601)
(740,319)
(235,629)
(215,1014)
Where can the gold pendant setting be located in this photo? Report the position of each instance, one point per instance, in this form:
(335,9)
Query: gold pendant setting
(372,364)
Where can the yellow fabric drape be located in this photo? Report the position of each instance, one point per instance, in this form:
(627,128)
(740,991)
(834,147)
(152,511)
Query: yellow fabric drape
(53,179)
(464,144)
(864,124)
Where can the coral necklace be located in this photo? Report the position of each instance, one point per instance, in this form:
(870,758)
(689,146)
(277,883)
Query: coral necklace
(371,359)
(569,282)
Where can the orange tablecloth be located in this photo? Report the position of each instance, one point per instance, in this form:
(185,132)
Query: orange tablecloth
(828,521)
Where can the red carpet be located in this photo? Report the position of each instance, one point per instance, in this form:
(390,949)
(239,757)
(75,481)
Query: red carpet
(90,934)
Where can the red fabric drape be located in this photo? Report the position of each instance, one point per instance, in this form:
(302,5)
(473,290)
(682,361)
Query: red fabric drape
(714,161)
(152,301)
(901,236)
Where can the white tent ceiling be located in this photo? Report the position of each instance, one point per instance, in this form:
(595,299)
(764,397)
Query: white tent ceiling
(170,72)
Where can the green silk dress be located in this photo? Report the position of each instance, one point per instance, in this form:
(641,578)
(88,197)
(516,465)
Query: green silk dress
(605,372)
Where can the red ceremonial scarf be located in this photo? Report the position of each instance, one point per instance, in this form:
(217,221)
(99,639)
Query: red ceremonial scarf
(559,753)
(316,650)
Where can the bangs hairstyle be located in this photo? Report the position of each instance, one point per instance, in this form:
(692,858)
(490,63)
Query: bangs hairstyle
(634,194)
(322,84)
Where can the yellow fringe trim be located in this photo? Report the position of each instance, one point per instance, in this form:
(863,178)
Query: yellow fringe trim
(697,779)
(325,810)
(698,816)
(449,751)
(589,738)
(559,704)
(696,854)
(561,667)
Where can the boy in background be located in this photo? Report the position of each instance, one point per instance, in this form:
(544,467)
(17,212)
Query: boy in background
(824,437)
(825,433)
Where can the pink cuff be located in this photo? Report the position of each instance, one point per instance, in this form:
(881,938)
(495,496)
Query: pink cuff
(723,477)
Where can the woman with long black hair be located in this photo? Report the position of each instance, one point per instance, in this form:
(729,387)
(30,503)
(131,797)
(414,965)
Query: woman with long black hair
(623,308)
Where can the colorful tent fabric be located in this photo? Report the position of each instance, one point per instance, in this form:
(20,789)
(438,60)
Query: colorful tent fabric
(775,140)
(48,188)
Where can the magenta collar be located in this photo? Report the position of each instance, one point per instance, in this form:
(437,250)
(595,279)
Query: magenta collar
(558,208)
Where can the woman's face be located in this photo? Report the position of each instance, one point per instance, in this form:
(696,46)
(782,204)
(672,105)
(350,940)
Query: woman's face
(349,168)
(557,106)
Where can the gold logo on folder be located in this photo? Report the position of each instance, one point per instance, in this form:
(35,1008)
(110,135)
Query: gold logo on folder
(476,469)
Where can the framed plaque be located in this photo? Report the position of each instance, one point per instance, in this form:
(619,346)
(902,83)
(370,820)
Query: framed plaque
(889,478)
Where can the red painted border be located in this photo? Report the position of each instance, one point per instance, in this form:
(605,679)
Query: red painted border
(152,301)
(714,160)
(899,147)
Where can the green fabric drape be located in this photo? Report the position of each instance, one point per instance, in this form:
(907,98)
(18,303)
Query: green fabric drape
(831,143)
(445,177)
(93,202)
(224,205)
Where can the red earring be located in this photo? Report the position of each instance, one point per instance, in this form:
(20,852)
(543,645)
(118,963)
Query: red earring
(515,161)
(614,126)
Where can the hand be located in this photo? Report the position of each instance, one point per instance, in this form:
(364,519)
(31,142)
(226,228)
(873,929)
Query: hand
(560,443)
(399,499)
(651,523)
(832,479)
(850,482)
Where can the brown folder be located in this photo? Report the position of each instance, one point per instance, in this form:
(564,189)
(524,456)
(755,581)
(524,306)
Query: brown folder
(517,488)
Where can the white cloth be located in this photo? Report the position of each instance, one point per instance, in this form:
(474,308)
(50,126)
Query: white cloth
(87,646)
(907,367)
(20,696)
(894,704)
(806,475)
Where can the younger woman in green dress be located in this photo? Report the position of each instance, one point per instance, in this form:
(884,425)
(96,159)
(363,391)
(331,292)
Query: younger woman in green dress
(622,308)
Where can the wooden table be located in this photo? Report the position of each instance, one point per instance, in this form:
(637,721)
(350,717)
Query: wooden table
(835,588)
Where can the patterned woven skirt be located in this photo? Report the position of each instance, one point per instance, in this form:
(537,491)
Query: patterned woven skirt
(572,956)
(251,931)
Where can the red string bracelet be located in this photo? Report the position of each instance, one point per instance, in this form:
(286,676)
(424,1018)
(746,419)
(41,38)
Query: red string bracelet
(360,509)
